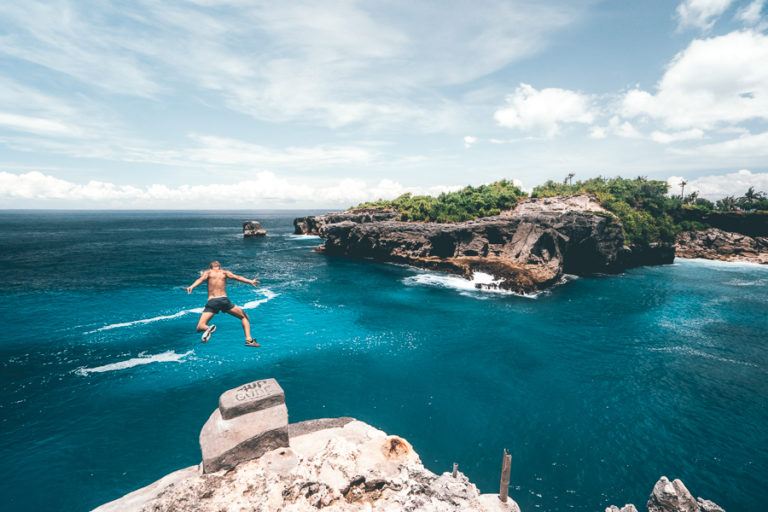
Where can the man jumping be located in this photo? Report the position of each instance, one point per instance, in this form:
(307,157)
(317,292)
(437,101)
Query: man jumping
(218,301)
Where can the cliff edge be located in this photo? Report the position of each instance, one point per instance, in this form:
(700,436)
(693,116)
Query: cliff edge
(254,460)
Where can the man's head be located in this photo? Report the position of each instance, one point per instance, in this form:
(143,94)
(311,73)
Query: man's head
(214,265)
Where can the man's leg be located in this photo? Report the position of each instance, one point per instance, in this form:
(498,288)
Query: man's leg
(238,312)
(202,324)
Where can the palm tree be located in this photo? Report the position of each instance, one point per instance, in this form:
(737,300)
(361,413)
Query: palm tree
(727,204)
(569,179)
(683,183)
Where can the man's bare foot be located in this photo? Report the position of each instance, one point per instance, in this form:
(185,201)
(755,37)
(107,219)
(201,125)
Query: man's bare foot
(207,334)
(252,343)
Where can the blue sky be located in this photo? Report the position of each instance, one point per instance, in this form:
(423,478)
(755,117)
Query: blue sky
(230,103)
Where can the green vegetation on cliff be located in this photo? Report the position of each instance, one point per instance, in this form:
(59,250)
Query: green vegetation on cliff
(648,213)
(642,205)
(465,204)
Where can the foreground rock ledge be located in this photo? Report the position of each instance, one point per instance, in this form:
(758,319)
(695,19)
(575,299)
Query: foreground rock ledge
(341,468)
(254,460)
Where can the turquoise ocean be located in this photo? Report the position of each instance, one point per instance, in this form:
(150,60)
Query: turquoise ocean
(597,387)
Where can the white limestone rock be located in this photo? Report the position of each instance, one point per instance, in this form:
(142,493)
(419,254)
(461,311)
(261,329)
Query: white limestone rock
(354,467)
(251,420)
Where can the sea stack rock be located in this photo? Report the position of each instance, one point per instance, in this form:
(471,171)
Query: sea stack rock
(671,496)
(251,420)
(253,228)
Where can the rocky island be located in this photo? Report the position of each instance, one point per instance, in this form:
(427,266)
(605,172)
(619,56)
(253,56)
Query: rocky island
(498,237)
(253,228)
(526,249)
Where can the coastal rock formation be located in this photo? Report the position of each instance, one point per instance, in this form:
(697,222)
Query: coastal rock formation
(716,244)
(671,497)
(312,224)
(340,464)
(354,467)
(526,249)
(625,508)
(253,228)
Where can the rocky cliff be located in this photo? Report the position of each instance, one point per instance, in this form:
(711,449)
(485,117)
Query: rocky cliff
(716,244)
(352,467)
(313,224)
(526,249)
(254,460)
(671,497)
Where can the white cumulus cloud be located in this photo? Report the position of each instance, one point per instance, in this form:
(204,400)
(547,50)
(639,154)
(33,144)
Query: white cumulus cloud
(264,189)
(717,186)
(469,140)
(751,14)
(701,14)
(716,81)
(624,129)
(747,144)
(597,132)
(668,137)
(544,111)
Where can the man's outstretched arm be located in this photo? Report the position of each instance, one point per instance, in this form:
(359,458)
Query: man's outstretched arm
(197,282)
(232,275)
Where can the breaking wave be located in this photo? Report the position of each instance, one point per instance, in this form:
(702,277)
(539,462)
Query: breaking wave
(465,286)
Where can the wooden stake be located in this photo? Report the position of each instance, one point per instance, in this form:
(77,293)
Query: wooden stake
(506,468)
(455,469)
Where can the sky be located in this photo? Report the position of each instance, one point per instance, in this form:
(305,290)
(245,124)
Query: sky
(207,104)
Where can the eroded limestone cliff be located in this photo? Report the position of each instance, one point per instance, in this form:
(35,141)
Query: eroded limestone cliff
(526,249)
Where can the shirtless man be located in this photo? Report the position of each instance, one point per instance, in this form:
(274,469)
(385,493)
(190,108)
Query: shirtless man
(218,301)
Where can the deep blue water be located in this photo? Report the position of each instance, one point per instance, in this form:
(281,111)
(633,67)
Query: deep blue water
(596,388)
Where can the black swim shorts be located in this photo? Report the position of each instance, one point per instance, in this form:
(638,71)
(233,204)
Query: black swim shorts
(217,304)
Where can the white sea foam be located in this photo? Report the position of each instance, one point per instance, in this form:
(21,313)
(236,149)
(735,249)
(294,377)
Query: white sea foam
(745,282)
(164,357)
(698,353)
(465,286)
(268,296)
(266,292)
(147,320)
(302,237)
(723,265)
